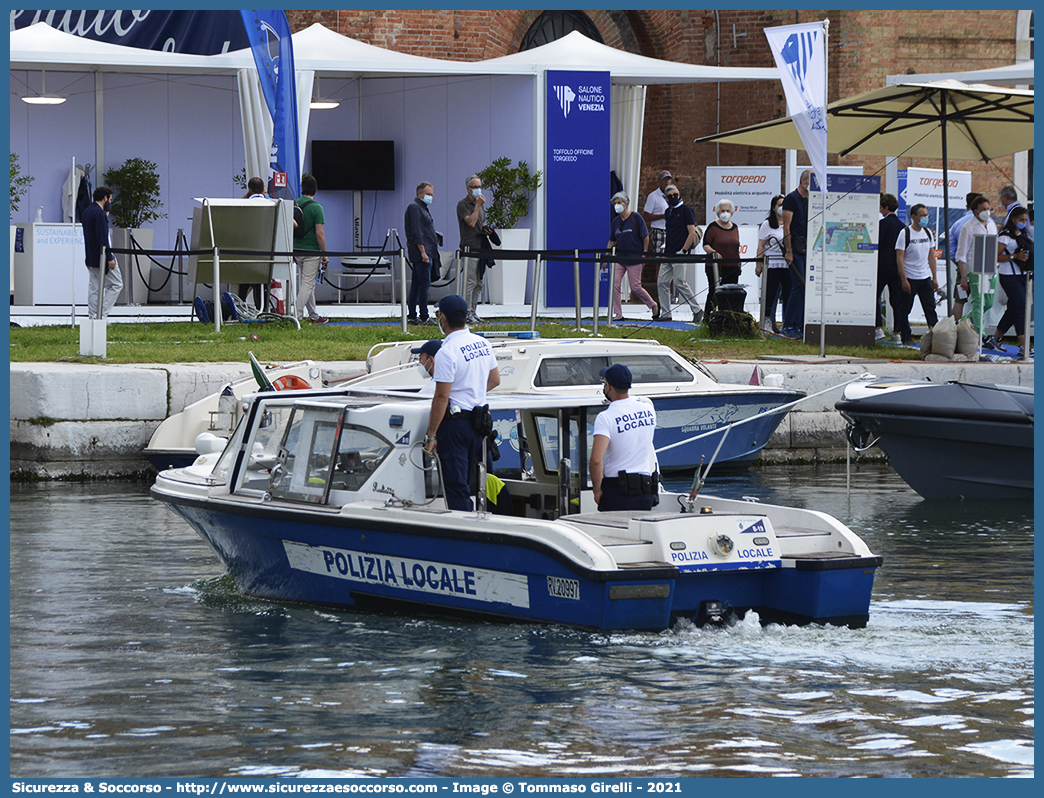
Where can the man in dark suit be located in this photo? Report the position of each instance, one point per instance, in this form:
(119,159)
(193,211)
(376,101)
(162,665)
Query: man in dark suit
(888,270)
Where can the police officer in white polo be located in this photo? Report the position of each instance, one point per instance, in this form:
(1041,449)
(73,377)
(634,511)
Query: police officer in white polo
(465,368)
(622,456)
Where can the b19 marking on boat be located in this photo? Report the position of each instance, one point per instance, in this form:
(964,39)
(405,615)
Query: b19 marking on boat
(758,527)
(563,588)
(433,578)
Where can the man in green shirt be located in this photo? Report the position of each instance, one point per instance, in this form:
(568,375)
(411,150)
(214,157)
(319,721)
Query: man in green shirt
(313,240)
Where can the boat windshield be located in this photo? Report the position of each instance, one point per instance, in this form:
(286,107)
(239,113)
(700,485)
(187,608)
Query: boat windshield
(574,370)
(264,445)
(320,453)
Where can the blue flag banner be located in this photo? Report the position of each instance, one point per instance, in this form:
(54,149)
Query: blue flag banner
(269,36)
(192,32)
(577,165)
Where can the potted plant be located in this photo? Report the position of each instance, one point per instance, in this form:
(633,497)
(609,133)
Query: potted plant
(510,187)
(135,202)
(19,184)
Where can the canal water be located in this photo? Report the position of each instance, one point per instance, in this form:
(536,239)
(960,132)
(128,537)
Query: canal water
(131,655)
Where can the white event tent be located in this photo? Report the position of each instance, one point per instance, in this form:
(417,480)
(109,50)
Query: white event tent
(447,118)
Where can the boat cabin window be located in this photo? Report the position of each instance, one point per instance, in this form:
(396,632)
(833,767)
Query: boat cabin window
(558,372)
(306,455)
(263,447)
(309,451)
(550,450)
(359,453)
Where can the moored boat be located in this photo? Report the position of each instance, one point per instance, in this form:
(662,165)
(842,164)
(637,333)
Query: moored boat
(953,440)
(690,403)
(326,498)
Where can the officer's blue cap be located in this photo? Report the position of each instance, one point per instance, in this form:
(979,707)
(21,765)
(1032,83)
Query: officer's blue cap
(617,375)
(453,307)
(428,347)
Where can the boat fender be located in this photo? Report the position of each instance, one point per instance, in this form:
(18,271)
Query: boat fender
(290,383)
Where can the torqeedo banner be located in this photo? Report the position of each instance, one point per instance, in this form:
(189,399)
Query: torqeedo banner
(577,179)
(751,189)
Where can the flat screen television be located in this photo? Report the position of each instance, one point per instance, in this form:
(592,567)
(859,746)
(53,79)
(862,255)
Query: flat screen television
(354,165)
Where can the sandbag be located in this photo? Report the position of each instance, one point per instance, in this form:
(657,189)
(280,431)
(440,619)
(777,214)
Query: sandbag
(926,344)
(944,337)
(936,359)
(967,340)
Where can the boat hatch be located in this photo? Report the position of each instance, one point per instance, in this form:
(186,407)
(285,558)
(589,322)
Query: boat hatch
(573,370)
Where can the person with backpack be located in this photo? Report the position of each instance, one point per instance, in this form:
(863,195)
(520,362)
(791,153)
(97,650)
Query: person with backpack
(1014,262)
(309,239)
(629,235)
(915,259)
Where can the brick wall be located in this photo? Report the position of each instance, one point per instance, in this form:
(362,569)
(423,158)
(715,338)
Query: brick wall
(865,47)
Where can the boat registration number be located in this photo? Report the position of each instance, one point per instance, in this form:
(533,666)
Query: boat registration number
(425,576)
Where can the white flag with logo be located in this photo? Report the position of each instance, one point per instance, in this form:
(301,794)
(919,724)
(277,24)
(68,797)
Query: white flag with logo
(800,53)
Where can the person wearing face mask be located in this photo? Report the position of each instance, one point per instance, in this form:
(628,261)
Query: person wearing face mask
(629,235)
(795,229)
(471,217)
(968,285)
(95,220)
(465,370)
(622,464)
(915,261)
(682,234)
(1009,201)
(721,237)
(655,212)
(777,281)
(1014,262)
(888,232)
(426,364)
(421,246)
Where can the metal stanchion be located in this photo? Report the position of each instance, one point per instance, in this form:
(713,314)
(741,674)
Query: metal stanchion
(597,298)
(1026,342)
(402,293)
(217,290)
(764,289)
(717,278)
(576,287)
(612,287)
(536,293)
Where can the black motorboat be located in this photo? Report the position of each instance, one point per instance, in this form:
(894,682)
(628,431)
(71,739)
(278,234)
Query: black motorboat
(953,440)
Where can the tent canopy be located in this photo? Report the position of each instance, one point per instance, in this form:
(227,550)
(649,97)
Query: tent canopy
(1012,75)
(575,51)
(40,46)
(318,48)
(983,123)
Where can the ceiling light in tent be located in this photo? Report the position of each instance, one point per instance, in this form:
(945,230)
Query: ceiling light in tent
(319,103)
(43,98)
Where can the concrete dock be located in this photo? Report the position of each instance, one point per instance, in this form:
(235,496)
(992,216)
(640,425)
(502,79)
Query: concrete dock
(78,421)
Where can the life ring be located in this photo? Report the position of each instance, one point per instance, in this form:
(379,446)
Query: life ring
(290,383)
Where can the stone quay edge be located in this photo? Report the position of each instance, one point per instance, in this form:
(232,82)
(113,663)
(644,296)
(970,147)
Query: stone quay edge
(92,421)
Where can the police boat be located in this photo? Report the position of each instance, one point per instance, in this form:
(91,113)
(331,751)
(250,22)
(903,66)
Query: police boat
(327,497)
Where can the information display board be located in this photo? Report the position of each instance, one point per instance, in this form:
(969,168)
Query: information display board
(848,231)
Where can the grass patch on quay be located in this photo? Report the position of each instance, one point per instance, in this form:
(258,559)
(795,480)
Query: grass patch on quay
(192,342)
